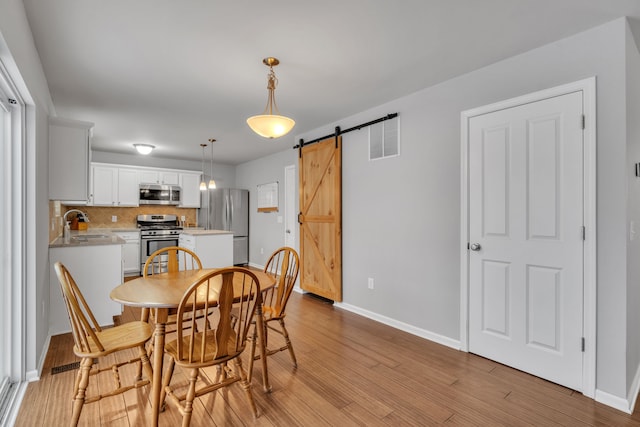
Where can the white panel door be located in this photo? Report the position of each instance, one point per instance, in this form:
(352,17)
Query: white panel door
(290,217)
(525,229)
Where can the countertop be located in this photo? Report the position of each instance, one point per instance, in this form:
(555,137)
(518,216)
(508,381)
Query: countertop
(91,237)
(201,232)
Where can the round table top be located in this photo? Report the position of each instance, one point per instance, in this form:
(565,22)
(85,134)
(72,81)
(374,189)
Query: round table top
(165,290)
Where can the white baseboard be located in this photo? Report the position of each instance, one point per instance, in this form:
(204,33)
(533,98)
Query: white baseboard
(16,402)
(615,402)
(35,374)
(422,333)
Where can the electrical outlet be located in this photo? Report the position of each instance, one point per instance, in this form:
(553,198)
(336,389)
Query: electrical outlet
(370,283)
(182,218)
(114,218)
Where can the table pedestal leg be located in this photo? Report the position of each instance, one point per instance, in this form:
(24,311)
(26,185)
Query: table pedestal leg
(263,349)
(158,358)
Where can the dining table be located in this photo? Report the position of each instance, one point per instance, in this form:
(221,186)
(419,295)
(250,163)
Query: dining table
(163,292)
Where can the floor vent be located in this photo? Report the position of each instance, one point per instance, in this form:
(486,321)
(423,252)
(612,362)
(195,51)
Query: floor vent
(65,368)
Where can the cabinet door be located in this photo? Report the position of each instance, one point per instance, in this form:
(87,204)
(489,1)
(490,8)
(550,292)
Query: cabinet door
(190,183)
(169,178)
(128,190)
(69,158)
(131,256)
(105,185)
(148,177)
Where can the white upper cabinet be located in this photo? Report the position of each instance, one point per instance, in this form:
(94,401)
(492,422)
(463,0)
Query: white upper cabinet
(158,176)
(114,186)
(104,183)
(119,185)
(190,184)
(128,189)
(69,159)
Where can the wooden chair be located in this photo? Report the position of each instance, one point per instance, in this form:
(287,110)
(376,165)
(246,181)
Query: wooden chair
(221,340)
(168,259)
(92,342)
(284,264)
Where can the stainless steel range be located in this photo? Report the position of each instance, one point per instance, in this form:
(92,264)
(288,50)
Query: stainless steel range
(156,232)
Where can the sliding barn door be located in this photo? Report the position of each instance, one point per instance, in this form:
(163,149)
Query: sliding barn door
(320,167)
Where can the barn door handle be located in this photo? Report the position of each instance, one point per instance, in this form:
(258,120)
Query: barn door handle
(300,218)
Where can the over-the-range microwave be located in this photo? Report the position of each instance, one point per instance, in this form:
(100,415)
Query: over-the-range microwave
(159,194)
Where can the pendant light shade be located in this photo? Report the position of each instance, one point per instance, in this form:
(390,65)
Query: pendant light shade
(212,182)
(203,185)
(268,124)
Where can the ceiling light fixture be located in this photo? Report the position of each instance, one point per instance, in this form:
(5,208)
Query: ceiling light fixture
(144,148)
(267,124)
(203,185)
(212,182)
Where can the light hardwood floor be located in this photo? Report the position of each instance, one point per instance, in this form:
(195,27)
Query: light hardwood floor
(352,371)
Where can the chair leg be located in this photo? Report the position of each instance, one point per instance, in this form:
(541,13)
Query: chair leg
(82,382)
(246,386)
(285,334)
(145,364)
(166,380)
(254,338)
(191,395)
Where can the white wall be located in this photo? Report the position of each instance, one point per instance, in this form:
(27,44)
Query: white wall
(19,54)
(264,230)
(401,216)
(633,209)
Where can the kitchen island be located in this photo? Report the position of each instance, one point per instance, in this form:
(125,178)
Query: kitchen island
(94,259)
(213,247)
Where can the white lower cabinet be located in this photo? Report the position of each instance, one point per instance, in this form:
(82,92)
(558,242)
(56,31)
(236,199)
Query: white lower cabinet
(214,250)
(130,252)
(97,270)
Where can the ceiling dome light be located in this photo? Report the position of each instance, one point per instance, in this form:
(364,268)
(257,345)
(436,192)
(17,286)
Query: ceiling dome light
(267,124)
(144,148)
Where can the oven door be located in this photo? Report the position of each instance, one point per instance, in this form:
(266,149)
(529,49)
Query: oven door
(149,245)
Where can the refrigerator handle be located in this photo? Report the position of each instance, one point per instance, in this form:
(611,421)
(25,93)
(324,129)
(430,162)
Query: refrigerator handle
(227,213)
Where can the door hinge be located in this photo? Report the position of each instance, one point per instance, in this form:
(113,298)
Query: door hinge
(584,121)
(583,344)
(584,233)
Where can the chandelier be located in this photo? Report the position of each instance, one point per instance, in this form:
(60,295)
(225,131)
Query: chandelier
(268,124)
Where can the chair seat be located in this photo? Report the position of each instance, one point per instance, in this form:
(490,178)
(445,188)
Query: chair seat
(270,313)
(210,349)
(119,337)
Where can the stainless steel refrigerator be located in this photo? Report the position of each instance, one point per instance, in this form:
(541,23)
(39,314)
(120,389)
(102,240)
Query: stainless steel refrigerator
(228,209)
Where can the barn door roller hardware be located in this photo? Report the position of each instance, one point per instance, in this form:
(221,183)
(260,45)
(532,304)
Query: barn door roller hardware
(340,132)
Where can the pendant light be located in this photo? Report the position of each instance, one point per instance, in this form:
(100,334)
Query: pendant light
(203,185)
(267,124)
(212,182)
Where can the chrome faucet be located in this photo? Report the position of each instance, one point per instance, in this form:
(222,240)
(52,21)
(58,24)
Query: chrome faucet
(66,231)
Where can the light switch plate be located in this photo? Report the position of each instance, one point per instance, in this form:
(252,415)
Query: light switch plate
(114,218)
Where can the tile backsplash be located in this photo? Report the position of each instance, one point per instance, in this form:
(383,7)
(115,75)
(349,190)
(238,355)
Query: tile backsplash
(101,217)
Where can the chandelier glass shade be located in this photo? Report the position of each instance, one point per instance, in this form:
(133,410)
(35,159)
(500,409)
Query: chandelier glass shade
(268,124)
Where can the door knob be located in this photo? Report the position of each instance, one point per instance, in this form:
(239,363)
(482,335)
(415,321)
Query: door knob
(288,231)
(475,246)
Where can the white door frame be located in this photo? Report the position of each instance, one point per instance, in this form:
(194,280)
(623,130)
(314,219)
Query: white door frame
(290,223)
(588,88)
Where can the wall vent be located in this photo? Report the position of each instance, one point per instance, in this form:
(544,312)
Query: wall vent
(384,139)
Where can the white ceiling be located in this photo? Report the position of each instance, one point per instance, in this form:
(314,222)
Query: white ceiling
(176,73)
